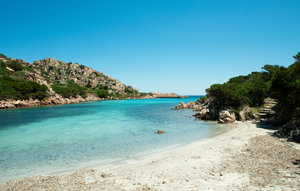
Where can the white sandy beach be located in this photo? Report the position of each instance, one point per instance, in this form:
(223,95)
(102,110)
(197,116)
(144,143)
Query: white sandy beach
(245,158)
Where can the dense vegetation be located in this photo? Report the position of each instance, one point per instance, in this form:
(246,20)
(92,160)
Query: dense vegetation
(242,90)
(277,82)
(130,90)
(71,89)
(102,93)
(286,88)
(13,86)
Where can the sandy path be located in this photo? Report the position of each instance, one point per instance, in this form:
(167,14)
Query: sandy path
(245,158)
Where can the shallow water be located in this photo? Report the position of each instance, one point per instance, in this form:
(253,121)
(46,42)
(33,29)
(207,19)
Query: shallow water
(54,139)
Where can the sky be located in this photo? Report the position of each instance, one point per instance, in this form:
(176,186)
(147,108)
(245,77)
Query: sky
(180,46)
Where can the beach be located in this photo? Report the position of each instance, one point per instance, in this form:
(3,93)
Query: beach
(244,158)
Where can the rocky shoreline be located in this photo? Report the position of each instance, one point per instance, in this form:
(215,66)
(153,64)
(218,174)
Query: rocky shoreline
(59,100)
(208,110)
(54,100)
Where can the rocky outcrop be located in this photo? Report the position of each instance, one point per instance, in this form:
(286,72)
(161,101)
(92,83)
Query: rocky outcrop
(226,116)
(50,71)
(62,72)
(207,109)
(53,100)
(189,105)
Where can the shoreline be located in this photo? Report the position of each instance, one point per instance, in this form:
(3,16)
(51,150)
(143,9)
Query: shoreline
(205,164)
(20,104)
(113,162)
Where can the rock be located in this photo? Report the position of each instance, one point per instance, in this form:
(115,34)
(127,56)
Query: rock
(160,132)
(9,105)
(242,116)
(16,103)
(226,116)
(2,106)
(189,105)
(197,107)
(296,135)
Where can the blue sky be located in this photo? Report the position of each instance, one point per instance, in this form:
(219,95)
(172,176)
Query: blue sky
(156,45)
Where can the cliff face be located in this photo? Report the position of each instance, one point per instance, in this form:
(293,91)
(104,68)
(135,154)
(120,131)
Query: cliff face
(50,81)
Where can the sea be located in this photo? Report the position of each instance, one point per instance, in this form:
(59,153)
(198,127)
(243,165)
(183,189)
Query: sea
(62,138)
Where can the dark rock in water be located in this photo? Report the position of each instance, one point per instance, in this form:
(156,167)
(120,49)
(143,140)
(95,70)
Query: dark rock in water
(160,132)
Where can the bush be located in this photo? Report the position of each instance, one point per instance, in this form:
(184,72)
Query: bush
(130,90)
(3,70)
(243,90)
(97,75)
(21,89)
(275,81)
(100,86)
(227,94)
(71,89)
(286,88)
(15,65)
(29,68)
(102,93)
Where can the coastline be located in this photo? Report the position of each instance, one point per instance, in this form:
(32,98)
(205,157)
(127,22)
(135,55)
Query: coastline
(59,100)
(214,163)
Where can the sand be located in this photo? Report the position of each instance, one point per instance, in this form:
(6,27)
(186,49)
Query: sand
(244,158)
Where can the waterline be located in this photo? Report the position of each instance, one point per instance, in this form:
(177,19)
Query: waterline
(67,137)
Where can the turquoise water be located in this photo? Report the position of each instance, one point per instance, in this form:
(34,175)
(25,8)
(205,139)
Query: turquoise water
(67,137)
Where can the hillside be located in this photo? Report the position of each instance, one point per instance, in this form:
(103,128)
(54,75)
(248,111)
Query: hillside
(50,81)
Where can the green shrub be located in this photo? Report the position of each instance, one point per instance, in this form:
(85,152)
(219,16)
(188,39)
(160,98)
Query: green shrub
(29,68)
(281,83)
(243,90)
(3,56)
(3,70)
(286,88)
(21,89)
(202,99)
(71,89)
(102,93)
(100,86)
(68,71)
(130,90)
(15,65)
(20,74)
(97,75)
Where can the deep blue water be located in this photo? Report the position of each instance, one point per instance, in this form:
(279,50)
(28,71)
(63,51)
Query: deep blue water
(67,137)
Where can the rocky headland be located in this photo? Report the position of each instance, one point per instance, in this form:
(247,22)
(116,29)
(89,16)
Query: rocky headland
(269,96)
(53,82)
(207,109)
